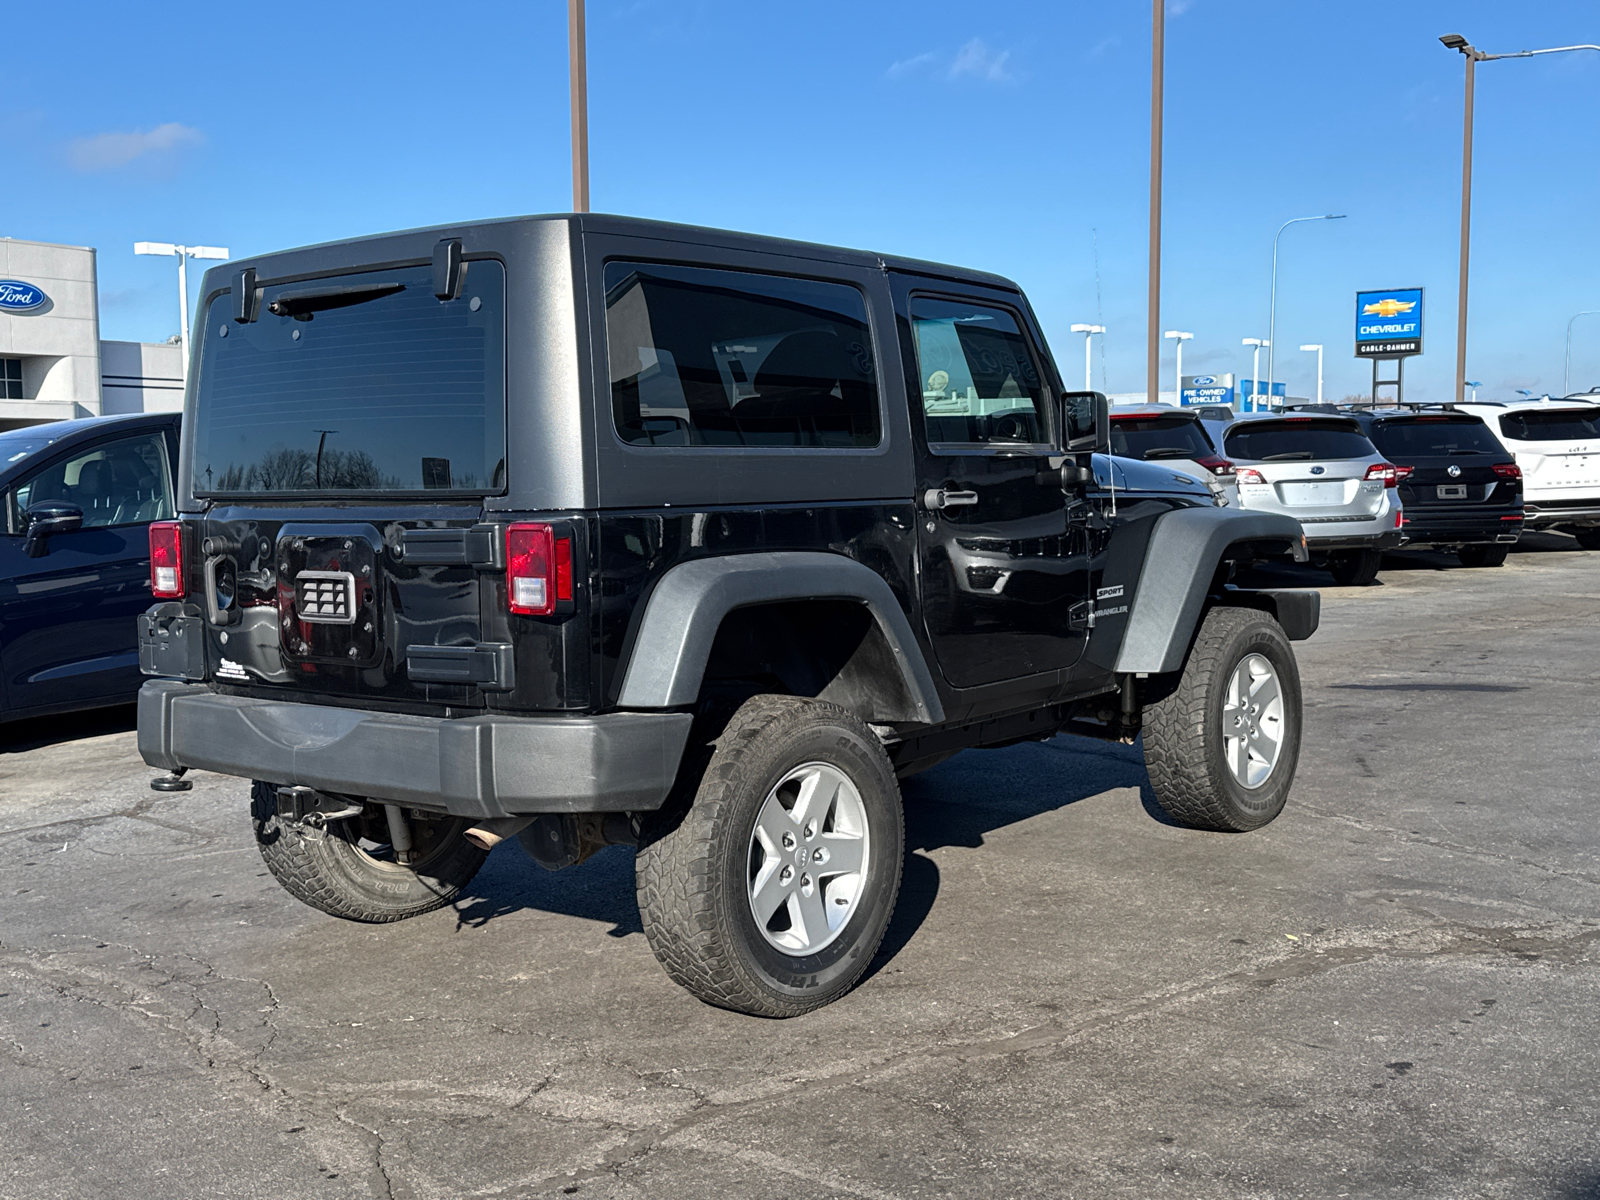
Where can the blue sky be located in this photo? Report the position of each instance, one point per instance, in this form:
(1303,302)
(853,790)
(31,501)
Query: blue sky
(1006,136)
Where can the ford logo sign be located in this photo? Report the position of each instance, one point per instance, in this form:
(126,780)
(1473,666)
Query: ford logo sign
(1318,470)
(16,296)
(1204,380)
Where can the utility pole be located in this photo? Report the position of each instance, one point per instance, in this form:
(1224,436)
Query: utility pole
(578,71)
(1157,72)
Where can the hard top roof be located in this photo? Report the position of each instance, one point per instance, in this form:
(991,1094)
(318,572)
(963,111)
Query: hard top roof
(604,223)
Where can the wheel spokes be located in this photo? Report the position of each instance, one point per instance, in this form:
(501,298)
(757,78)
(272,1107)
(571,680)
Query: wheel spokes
(811,915)
(844,854)
(769,890)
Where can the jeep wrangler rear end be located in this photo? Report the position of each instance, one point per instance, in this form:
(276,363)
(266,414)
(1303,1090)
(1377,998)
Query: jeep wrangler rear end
(588,530)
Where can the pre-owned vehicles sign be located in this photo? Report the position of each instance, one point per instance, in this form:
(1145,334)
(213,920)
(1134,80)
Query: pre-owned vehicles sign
(1389,323)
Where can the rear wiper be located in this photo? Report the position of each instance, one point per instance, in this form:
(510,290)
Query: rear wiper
(1169,452)
(1287,457)
(300,305)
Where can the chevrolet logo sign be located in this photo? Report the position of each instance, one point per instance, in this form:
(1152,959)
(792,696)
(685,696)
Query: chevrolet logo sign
(1388,308)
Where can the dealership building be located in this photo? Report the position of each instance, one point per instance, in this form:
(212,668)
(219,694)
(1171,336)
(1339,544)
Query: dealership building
(53,365)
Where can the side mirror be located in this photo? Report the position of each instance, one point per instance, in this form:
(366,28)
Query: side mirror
(47,518)
(1085,423)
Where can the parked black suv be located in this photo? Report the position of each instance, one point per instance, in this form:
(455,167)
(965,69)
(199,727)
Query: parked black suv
(1460,488)
(591,530)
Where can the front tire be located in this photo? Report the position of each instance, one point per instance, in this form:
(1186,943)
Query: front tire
(732,897)
(1222,747)
(348,869)
(1588,537)
(1482,555)
(1355,568)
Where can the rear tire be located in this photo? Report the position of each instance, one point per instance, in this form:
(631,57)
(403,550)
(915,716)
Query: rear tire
(1482,555)
(1588,538)
(1193,736)
(1355,568)
(348,870)
(788,776)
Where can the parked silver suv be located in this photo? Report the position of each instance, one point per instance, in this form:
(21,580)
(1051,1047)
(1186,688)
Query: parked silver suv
(1326,473)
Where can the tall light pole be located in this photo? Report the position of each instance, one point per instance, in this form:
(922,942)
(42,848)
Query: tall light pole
(1179,337)
(1474,56)
(1272,312)
(1255,373)
(1088,332)
(184,254)
(1157,72)
(1566,374)
(578,73)
(1317,346)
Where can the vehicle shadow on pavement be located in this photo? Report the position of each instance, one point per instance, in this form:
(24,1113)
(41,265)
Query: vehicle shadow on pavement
(955,804)
(16,737)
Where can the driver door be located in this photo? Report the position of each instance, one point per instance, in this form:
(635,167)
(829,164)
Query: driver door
(1003,556)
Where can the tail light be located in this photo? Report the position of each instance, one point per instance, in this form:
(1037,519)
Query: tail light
(1401,474)
(1506,470)
(1385,472)
(166,560)
(1249,475)
(1216,464)
(538,569)
(1399,518)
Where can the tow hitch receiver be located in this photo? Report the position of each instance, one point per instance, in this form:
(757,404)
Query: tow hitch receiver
(307,806)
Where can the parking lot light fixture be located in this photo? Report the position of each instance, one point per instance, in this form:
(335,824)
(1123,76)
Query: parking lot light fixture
(1088,332)
(1474,56)
(1474,385)
(1566,374)
(1272,310)
(1255,372)
(1317,346)
(1179,337)
(183,254)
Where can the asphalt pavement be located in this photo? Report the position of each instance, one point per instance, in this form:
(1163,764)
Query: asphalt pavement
(1391,991)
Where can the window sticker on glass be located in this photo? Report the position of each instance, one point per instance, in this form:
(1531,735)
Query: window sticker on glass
(979,382)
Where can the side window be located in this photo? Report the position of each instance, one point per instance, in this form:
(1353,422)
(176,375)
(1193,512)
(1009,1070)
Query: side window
(700,357)
(124,482)
(979,381)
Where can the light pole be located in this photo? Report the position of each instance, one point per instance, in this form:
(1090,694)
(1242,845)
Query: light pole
(1566,374)
(1474,385)
(1255,373)
(1272,311)
(1088,332)
(578,78)
(184,254)
(1474,56)
(1152,374)
(1179,337)
(1317,346)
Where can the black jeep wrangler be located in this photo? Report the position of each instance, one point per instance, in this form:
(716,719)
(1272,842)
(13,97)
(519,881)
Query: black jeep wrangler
(589,530)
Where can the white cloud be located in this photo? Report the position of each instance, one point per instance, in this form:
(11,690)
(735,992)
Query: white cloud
(1176,8)
(108,151)
(1103,45)
(906,66)
(977,58)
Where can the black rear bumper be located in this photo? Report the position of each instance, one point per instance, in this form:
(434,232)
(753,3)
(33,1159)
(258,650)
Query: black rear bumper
(481,766)
(1455,528)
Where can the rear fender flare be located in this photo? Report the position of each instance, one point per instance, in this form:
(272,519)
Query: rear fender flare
(674,638)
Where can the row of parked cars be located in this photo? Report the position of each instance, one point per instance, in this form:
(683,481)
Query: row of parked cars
(1467,478)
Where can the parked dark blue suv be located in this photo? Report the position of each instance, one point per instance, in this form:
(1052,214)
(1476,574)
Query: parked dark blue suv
(76,502)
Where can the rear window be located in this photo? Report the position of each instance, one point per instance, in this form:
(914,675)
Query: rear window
(1159,437)
(1266,441)
(359,383)
(1434,437)
(1560,425)
(700,357)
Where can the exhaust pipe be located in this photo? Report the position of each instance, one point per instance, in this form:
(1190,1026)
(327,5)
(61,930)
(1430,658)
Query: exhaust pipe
(486,835)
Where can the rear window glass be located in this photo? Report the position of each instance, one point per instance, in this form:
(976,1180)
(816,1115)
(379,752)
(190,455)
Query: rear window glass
(701,357)
(359,383)
(1159,437)
(1434,437)
(1268,441)
(1561,425)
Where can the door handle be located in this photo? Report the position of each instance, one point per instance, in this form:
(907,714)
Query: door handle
(936,498)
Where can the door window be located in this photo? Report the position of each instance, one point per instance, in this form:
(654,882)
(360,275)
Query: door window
(723,358)
(979,382)
(125,482)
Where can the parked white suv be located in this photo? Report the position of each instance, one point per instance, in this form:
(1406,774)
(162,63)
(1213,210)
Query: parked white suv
(1557,445)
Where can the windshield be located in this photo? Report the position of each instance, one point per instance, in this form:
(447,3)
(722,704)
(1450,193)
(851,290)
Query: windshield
(17,445)
(1297,438)
(355,383)
(1560,425)
(1159,437)
(1434,437)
